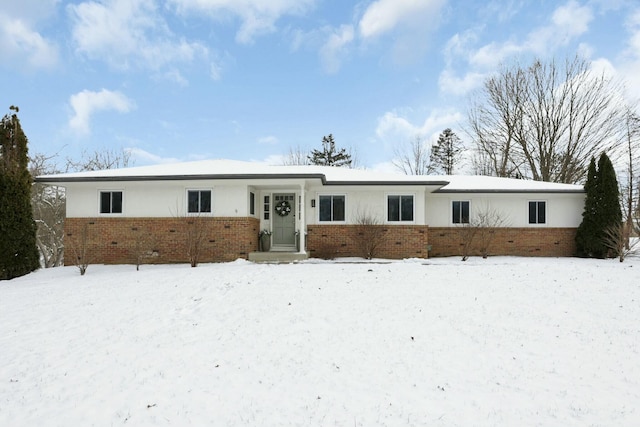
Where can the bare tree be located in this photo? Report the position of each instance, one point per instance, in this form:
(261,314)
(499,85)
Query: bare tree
(195,237)
(616,239)
(370,233)
(545,121)
(49,205)
(479,232)
(629,187)
(143,245)
(296,156)
(80,246)
(106,158)
(413,158)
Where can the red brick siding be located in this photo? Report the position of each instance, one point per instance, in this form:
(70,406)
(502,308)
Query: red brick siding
(400,241)
(446,241)
(118,240)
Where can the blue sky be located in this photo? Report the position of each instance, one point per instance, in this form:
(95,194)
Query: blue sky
(249,79)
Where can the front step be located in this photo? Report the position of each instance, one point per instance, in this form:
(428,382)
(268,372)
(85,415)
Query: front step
(277,257)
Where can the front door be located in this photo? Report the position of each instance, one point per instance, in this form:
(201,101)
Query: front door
(284,220)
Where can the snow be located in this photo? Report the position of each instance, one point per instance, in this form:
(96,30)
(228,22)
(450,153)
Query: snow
(496,342)
(213,168)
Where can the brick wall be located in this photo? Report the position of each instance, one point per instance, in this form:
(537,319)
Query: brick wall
(159,240)
(507,241)
(397,242)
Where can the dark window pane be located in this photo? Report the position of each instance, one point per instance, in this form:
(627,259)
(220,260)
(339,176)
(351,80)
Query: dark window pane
(393,208)
(465,212)
(456,213)
(116,202)
(407,208)
(205,201)
(252,204)
(105,202)
(325,208)
(338,208)
(542,212)
(532,213)
(193,201)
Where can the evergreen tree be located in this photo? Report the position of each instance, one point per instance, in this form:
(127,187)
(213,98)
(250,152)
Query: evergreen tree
(601,209)
(18,250)
(610,214)
(586,241)
(445,153)
(329,155)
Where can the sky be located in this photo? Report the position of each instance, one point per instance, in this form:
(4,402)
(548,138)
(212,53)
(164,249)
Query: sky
(180,80)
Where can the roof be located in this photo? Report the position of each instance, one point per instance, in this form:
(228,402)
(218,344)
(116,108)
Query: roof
(328,175)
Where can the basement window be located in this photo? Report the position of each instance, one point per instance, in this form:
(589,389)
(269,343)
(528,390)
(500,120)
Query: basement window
(111,202)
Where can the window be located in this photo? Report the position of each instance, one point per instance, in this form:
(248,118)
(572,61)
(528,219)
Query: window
(199,201)
(460,212)
(266,207)
(537,212)
(110,202)
(331,208)
(252,203)
(399,208)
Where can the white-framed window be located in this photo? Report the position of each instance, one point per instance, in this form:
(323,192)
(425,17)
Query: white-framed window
(332,208)
(198,201)
(266,207)
(252,203)
(400,207)
(111,201)
(537,212)
(460,211)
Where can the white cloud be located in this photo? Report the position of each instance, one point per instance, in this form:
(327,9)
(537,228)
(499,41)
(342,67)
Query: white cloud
(383,16)
(566,23)
(142,157)
(395,129)
(449,82)
(268,140)
(257,17)
(86,103)
(22,46)
(336,48)
(129,33)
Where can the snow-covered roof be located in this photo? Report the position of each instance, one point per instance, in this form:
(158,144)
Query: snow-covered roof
(232,169)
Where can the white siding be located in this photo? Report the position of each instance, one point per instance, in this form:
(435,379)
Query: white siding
(563,210)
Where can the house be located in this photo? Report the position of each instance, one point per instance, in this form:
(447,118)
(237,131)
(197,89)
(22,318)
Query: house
(316,211)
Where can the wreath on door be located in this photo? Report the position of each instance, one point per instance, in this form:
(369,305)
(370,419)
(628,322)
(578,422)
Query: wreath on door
(283,208)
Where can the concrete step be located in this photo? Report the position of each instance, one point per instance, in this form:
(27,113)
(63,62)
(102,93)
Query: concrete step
(277,257)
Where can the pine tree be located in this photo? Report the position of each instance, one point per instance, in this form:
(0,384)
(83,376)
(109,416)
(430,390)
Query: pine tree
(601,209)
(445,153)
(586,240)
(610,214)
(329,155)
(18,250)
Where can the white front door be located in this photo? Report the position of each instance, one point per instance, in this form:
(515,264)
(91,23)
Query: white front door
(284,219)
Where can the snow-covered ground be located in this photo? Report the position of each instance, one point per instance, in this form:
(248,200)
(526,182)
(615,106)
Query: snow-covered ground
(495,342)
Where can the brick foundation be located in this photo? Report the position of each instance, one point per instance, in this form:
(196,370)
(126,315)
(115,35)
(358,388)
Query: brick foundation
(159,240)
(164,240)
(397,241)
(552,242)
